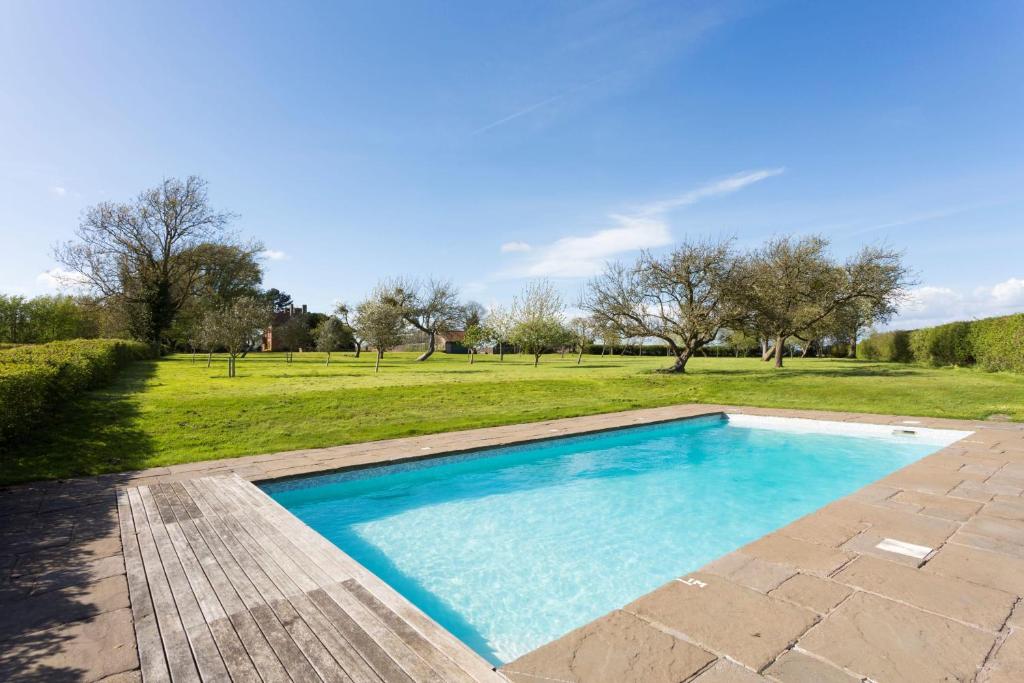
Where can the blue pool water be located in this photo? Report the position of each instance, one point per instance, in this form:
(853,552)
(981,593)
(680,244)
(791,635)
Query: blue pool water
(512,547)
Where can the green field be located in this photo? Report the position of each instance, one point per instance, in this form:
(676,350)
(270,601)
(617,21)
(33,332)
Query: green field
(173,410)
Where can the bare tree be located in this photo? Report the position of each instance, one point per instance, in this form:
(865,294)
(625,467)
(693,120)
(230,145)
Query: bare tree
(345,314)
(145,253)
(792,284)
(329,336)
(432,308)
(381,322)
(583,332)
(539,320)
(236,326)
(684,298)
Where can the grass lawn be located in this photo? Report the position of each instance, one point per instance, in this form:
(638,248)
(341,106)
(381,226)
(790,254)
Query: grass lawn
(173,411)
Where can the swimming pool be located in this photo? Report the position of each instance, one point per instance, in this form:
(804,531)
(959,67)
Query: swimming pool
(512,547)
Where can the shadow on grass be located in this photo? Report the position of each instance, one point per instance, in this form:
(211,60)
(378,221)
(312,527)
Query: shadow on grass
(94,433)
(768,372)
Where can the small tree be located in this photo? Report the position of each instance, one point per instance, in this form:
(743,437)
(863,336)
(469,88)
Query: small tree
(476,336)
(345,315)
(741,342)
(583,332)
(293,334)
(381,322)
(500,325)
(539,320)
(235,326)
(329,336)
(609,338)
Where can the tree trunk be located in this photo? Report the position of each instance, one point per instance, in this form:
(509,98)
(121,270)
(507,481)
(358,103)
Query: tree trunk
(359,347)
(579,358)
(376,366)
(852,353)
(536,359)
(780,344)
(193,356)
(807,349)
(501,352)
(679,367)
(767,353)
(209,359)
(471,356)
(328,358)
(431,344)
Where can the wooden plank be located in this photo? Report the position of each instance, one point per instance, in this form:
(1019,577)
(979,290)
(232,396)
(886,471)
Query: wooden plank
(290,568)
(269,536)
(360,626)
(172,633)
(152,661)
(297,647)
(239,598)
(204,649)
(237,661)
(333,560)
(288,580)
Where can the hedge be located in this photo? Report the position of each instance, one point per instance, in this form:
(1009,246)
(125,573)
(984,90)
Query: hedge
(888,346)
(36,379)
(998,343)
(994,344)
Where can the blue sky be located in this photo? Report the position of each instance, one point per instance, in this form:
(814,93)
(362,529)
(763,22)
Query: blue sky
(488,143)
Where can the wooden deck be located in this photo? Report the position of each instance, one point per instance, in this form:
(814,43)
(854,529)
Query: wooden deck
(227,585)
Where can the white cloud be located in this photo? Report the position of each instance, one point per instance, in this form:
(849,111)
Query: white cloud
(713,189)
(511,247)
(643,228)
(1009,292)
(934,305)
(58,191)
(585,256)
(273,255)
(57,279)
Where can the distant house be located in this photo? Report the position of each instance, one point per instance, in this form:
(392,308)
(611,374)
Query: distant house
(451,341)
(280,318)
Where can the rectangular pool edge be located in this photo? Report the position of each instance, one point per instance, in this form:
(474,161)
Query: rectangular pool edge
(439,454)
(938,440)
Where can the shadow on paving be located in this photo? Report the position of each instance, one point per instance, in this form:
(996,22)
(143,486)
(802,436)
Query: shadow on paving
(64,608)
(92,434)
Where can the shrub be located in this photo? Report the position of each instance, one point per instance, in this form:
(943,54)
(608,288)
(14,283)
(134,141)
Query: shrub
(943,345)
(998,343)
(36,379)
(887,346)
(993,344)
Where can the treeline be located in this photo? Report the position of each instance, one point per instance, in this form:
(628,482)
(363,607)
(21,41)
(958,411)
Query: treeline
(36,379)
(167,270)
(993,344)
(47,318)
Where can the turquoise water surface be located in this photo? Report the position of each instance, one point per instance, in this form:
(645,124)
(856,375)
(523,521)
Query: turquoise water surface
(512,547)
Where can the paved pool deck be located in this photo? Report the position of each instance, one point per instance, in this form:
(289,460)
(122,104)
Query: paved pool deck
(190,573)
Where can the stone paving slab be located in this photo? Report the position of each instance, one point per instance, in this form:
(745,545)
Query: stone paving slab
(890,641)
(57,537)
(725,618)
(618,648)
